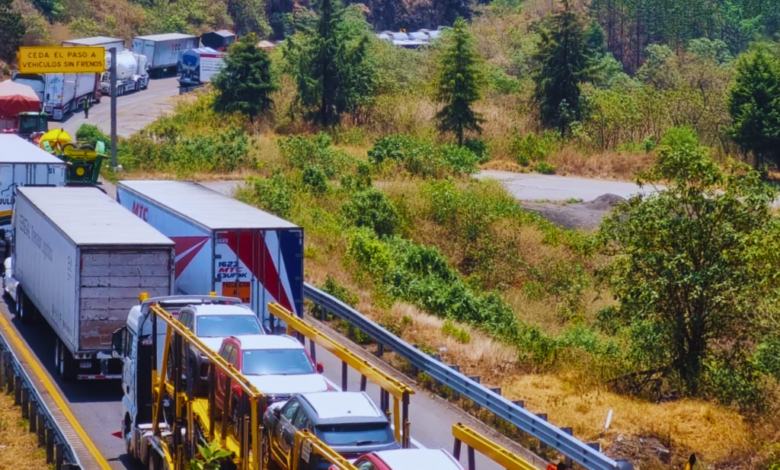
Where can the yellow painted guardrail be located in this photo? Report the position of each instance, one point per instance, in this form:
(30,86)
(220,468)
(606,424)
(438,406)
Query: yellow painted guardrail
(495,452)
(399,390)
(53,391)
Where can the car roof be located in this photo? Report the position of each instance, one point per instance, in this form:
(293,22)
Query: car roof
(330,405)
(210,309)
(253,342)
(418,459)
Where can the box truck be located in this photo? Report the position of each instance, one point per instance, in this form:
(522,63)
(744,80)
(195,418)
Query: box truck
(163,51)
(24,164)
(101,41)
(223,245)
(61,93)
(80,262)
(199,65)
(220,40)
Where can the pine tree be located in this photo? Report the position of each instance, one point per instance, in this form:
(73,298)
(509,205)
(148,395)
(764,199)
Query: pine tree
(458,83)
(754,105)
(11,31)
(563,58)
(333,65)
(245,83)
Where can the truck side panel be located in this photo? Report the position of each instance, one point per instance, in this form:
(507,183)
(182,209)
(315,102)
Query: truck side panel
(13,175)
(39,250)
(111,281)
(193,267)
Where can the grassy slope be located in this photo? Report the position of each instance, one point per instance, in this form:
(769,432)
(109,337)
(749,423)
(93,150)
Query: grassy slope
(18,448)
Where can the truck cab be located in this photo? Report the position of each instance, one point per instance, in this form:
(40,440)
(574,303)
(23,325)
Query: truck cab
(133,344)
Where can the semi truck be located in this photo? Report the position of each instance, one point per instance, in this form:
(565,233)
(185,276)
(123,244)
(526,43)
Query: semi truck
(223,245)
(79,262)
(61,93)
(101,41)
(131,73)
(24,164)
(163,51)
(199,65)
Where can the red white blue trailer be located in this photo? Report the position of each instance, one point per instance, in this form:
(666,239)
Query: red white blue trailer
(222,244)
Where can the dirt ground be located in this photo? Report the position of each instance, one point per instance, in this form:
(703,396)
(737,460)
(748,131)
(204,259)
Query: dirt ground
(575,215)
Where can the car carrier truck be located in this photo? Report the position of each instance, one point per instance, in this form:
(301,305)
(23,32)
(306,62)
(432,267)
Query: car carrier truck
(223,245)
(79,262)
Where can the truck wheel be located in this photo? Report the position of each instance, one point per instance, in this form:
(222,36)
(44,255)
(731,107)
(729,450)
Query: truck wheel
(24,308)
(65,368)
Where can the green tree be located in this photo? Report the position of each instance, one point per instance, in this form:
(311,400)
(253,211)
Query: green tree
(333,65)
(11,31)
(249,17)
(564,62)
(245,83)
(694,267)
(458,83)
(754,105)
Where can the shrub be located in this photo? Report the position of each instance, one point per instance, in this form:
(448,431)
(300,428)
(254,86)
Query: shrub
(373,209)
(479,147)
(301,152)
(459,159)
(334,288)
(93,135)
(533,148)
(460,334)
(315,179)
(417,157)
(544,168)
(273,194)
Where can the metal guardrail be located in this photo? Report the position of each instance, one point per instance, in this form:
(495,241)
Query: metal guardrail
(524,420)
(186,89)
(15,380)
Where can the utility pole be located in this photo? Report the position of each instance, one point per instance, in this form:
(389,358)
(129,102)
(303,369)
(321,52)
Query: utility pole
(113,108)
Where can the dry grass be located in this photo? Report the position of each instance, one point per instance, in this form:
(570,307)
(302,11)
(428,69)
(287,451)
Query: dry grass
(18,448)
(611,165)
(713,432)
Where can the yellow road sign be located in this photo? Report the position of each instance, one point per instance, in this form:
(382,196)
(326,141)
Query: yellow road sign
(62,59)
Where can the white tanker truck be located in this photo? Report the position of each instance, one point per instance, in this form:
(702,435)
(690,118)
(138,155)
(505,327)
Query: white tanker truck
(131,73)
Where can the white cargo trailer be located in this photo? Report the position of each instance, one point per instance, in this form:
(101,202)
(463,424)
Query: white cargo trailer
(223,245)
(80,261)
(24,164)
(62,93)
(163,51)
(102,41)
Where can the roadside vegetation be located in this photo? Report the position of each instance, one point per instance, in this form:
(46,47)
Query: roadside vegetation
(18,447)
(667,314)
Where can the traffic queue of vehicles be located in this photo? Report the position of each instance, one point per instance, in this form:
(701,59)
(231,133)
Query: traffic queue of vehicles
(80,261)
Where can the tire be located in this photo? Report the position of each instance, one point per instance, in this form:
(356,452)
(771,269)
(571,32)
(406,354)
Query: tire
(66,369)
(24,309)
(268,462)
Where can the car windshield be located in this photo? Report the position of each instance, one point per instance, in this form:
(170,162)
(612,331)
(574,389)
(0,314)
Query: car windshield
(210,326)
(276,362)
(358,434)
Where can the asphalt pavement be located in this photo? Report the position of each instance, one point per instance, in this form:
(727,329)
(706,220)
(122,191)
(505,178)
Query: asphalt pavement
(134,110)
(536,187)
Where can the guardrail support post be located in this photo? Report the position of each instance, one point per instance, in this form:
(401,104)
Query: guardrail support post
(567,460)
(344,371)
(25,403)
(33,415)
(380,350)
(472,460)
(542,416)
(60,456)
(41,430)
(49,445)
(17,390)
(9,389)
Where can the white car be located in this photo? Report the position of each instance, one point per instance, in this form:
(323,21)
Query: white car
(278,366)
(407,459)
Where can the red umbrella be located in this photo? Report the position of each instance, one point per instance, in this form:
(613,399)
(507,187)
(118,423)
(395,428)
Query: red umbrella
(16,98)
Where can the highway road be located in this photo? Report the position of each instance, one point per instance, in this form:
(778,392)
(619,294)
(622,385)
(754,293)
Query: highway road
(134,110)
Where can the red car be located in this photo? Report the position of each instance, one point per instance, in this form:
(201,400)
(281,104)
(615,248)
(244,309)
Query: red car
(407,459)
(278,366)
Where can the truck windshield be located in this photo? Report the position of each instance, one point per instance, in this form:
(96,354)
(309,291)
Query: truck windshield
(276,362)
(210,326)
(355,434)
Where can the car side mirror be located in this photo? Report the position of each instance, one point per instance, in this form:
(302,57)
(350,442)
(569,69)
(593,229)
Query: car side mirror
(320,368)
(277,412)
(117,342)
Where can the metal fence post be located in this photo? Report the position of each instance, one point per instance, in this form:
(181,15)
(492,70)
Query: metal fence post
(60,456)
(17,390)
(33,415)
(25,402)
(49,445)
